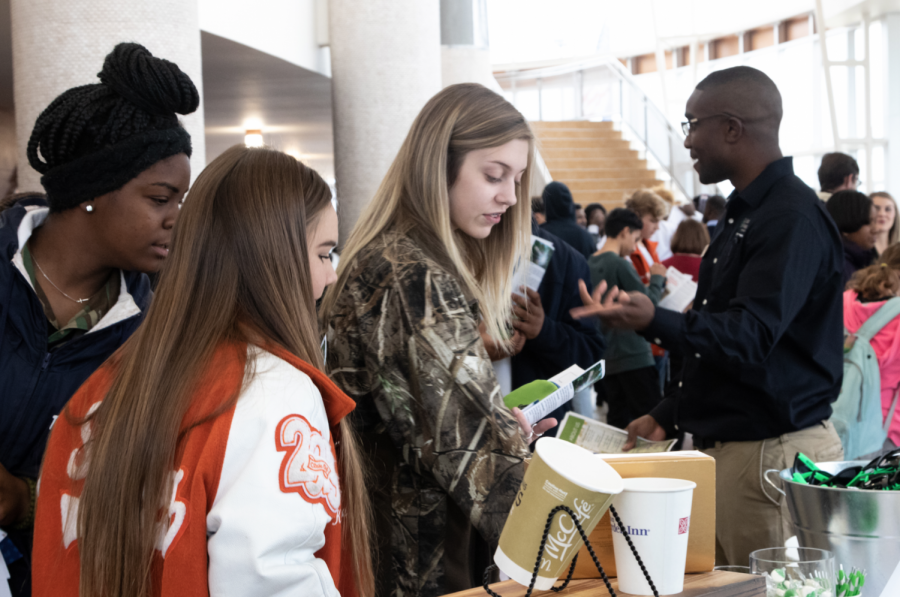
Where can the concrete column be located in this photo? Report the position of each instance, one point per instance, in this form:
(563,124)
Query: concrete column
(386,64)
(466,58)
(58,45)
(465,51)
(891,49)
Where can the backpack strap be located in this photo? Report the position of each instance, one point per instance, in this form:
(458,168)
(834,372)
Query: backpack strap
(883,316)
(890,416)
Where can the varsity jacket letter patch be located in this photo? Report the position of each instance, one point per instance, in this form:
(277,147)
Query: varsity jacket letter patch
(308,467)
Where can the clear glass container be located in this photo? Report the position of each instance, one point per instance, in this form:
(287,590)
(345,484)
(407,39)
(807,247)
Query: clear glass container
(795,571)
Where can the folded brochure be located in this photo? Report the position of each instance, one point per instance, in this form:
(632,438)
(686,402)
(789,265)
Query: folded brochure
(680,291)
(532,273)
(601,438)
(572,380)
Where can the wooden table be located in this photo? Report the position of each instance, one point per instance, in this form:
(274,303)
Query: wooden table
(709,584)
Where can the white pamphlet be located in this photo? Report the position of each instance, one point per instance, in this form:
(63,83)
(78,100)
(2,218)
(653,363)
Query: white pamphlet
(569,381)
(601,438)
(680,291)
(531,274)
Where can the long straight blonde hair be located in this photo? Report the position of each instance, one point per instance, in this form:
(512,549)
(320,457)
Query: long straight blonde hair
(239,261)
(894,232)
(414,198)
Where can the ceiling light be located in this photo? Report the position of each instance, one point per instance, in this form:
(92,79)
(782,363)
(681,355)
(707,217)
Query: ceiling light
(253,138)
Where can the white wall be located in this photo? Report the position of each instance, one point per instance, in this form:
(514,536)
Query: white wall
(537,30)
(282,28)
(796,67)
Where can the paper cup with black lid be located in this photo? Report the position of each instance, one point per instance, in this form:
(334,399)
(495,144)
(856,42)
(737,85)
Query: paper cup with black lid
(560,473)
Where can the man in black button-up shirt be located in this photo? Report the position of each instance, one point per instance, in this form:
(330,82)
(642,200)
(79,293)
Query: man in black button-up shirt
(762,344)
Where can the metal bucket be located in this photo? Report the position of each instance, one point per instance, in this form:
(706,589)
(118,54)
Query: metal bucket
(861,527)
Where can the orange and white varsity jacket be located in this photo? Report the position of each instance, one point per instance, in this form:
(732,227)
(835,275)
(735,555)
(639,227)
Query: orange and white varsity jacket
(256,504)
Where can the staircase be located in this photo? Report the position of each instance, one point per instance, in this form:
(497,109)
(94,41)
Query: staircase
(593,160)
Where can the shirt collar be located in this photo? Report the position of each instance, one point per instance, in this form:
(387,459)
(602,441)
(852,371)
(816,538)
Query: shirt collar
(337,404)
(756,190)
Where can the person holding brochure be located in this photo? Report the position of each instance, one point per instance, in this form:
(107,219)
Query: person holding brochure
(763,342)
(631,383)
(553,339)
(429,260)
(688,244)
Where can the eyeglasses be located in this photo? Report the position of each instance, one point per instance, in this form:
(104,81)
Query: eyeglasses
(688,125)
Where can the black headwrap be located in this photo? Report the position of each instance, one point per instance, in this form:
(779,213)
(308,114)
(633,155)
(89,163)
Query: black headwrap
(93,139)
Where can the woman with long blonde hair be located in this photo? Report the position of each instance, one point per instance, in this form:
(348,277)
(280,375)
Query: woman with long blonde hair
(887,231)
(201,459)
(430,259)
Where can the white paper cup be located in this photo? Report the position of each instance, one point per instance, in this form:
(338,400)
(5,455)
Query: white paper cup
(656,512)
(560,473)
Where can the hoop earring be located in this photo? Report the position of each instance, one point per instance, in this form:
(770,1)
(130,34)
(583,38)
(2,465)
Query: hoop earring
(89,208)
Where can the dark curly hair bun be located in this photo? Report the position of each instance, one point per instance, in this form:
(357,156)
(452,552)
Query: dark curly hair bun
(155,84)
(93,139)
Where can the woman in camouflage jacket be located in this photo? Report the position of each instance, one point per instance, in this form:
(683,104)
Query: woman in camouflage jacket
(428,261)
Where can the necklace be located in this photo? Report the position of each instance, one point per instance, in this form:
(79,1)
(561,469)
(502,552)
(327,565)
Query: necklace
(79,301)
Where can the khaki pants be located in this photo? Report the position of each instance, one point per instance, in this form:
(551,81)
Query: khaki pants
(750,515)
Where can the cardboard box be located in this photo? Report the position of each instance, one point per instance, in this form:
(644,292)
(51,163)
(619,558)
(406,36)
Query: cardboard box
(691,465)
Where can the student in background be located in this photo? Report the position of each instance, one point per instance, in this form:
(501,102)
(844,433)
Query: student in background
(651,209)
(73,282)
(206,459)
(631,382)
(854,215)
(560,210)
(596,217)
(867,292)
(887,232)
(837,172)
(537,210)
(427,262)
(891,257)
(688,245)
(667,227)
(580,216)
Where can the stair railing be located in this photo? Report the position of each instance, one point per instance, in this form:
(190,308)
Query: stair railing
(602,89)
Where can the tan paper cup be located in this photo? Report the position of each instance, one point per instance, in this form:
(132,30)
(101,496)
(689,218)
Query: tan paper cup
(560,473)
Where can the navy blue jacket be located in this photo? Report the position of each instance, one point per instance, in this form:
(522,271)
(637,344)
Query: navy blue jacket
(563,341)
(35,384)
(559,209)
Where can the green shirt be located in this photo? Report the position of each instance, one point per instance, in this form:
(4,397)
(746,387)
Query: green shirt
(626,351)
(92,310)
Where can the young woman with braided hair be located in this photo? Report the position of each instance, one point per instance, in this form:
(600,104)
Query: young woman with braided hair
(73,283)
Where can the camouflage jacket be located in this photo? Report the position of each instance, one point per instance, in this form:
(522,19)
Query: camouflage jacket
(446,456)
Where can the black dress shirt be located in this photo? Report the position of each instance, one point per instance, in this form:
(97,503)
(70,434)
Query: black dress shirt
(763,342)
